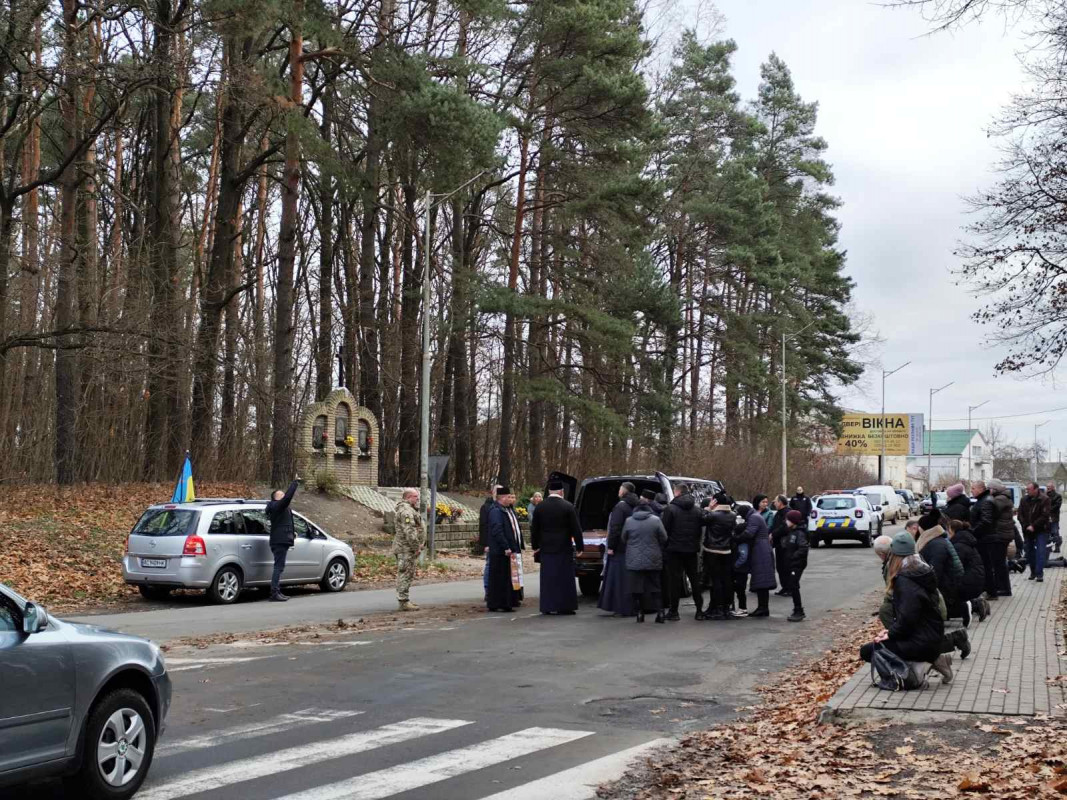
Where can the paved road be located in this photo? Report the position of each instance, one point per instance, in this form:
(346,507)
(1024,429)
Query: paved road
(491,706)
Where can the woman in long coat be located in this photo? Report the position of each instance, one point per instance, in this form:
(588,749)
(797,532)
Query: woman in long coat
(615,588)
(760,559)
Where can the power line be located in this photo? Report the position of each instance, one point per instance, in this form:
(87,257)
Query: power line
(1002,416)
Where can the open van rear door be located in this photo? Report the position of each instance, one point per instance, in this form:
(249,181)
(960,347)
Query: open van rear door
(570,484)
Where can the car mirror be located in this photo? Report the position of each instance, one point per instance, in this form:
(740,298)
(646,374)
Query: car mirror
(34,618)
(877,508)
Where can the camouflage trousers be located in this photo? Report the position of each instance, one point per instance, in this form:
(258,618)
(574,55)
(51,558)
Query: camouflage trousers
(406,562)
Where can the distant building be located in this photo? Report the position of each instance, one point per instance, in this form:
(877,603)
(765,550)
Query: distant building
(952,454)
(895,472)
(1052,472)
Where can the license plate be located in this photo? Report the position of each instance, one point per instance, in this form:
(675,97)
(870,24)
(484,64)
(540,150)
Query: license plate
(160,563)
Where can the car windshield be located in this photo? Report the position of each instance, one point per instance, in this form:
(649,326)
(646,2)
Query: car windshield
(166,522)
(836,503)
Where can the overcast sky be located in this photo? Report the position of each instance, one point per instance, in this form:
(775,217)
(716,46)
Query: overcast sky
(905,117)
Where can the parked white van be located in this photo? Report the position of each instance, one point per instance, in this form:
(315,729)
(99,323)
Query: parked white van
(893,508)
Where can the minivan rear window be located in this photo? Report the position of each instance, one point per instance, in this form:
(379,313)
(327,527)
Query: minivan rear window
(166,522)
(836,503)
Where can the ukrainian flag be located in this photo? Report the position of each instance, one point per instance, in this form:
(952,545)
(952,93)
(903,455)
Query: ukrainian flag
(183,489)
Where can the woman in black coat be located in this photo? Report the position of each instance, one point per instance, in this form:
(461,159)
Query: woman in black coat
(959,504)
(917,628)
(969,587)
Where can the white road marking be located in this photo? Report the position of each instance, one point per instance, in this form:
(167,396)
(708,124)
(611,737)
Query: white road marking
(581,782)
(284,722)
(183,664)
(216,777)
(440,767)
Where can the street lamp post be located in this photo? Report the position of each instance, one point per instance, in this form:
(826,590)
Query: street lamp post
(1036,427)
(881,458)
(785,449)
(970,410)
(930,439)
(424,399)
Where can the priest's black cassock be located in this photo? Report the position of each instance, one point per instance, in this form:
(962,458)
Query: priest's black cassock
(554,534)
(504,535)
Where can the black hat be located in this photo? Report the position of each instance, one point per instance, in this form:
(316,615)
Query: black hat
(555,486)
(723,499)
(705,502)
(503,490)
(648,494)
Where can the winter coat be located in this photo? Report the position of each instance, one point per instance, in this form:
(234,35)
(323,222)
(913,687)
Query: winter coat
(502,532)
(684,523)
(801,503)
(938,552)
(917,625)
(1055,505)
(282,528)
(644,538)
(656,508)
(768,516)
(555,528)
(1035,512)
(760,556)
(719,528)
(483,522)
(959,507)
(973,581)
(982,519)
(1004,517)
(622,511)
(778,527)
(795,547)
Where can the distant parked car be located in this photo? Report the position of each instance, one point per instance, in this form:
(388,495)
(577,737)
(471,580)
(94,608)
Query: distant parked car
(925,506)
(223,546)
(893,508)
(77,702)
(911,502)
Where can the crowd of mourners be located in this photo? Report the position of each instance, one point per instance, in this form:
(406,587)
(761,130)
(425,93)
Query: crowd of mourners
(949,565)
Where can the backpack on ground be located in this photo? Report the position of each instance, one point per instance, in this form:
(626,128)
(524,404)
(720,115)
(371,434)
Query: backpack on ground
(892,673)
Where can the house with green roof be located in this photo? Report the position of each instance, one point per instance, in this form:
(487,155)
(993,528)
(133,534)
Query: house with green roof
(954,454)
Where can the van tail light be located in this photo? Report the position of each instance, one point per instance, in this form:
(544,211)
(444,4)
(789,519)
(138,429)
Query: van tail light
(814,514)
(194,546)
(859,513)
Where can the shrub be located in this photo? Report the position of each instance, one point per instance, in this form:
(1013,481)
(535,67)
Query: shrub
(325,482)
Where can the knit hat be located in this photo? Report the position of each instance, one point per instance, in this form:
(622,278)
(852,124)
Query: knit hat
(795,517)
(955,490)
(903,544)
(995,486)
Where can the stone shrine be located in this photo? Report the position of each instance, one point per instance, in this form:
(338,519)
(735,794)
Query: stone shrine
(341,437)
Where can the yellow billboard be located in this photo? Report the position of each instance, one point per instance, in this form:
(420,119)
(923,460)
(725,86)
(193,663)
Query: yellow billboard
(861,434)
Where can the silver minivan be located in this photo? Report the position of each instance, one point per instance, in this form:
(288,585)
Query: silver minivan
(223,546)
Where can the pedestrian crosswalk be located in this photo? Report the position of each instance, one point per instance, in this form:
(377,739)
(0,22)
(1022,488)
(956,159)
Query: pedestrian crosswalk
(327,766)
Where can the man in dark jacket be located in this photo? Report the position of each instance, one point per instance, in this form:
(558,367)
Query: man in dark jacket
(1055,506)
(983,517)
(282,535)
(719,522)
(555,534)
(997,581)
(1035,516)
(684,523)
(794,552)
(483,532)
(778,533)
(801,502)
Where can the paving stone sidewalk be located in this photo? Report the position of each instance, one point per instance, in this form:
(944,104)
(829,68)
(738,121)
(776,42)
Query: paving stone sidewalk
(1016,653)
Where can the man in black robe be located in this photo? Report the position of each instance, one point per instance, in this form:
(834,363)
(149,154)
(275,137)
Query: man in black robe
(555,532)
(505,539)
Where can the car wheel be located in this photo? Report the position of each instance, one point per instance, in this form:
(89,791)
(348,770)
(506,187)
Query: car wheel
(880,526)
(866,540)
(120,739)
(589,584)
(336,576)
(828,541)
(226,587)
(154,592)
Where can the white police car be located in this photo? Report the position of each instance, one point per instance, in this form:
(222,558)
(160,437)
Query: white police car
(844,516)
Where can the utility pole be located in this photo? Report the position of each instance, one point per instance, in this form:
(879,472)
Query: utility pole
(930,439)
(970,410)
(881,458)
(1037,453)
(424,394)
(785,447)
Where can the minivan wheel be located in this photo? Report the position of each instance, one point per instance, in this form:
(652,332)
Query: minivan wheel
(226,587)
(336,576)
(154,592)
(120,739)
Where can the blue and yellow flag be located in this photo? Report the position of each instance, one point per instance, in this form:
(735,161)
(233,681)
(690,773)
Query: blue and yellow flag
(183,489)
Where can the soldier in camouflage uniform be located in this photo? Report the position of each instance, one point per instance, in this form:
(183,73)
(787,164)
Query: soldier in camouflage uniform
(408,539)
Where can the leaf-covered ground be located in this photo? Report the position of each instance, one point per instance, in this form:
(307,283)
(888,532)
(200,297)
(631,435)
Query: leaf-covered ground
(63,546)
(781,751)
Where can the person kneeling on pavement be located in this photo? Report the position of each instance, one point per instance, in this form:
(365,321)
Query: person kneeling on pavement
(968,588)
(898,548)
(916,629)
